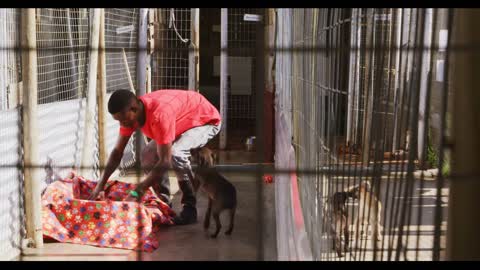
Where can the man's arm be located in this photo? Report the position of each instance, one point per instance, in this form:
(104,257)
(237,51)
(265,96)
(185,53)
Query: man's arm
(164,152)
(112,164)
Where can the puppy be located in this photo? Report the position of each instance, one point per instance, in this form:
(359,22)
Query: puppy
(369,205)
(339,223)
(222,195)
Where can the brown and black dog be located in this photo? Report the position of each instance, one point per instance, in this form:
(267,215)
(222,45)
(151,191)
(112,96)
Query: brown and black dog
(339,223)
(369,210)
(222,195)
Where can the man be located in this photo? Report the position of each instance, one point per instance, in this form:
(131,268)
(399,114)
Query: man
(176,121)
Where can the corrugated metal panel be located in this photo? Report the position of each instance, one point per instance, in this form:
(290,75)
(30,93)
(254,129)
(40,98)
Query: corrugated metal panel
(11,186)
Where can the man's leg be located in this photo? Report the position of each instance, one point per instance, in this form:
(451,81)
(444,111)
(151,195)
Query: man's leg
(190,139)
(148,159)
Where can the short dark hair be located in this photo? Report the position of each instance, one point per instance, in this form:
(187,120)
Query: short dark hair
(119,100)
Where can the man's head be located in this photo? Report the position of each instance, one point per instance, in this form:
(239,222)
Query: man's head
(123,105)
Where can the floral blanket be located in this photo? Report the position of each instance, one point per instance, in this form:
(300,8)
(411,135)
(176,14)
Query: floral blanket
(68,216)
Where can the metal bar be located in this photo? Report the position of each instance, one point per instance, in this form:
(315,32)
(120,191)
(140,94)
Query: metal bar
(260,147)
(193,53)
(398,65)
(424,77)
(431,27)
(142,51)
(395,217)
(223,76)
(413,119)
(395,37)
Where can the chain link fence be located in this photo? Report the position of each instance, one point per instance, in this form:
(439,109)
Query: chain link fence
(63,51)
(357,99)
(172,39)
(354,87)
(121,42)
(62,57)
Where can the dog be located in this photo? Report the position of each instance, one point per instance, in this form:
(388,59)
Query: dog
(222,195)
(369,205)
(339,223)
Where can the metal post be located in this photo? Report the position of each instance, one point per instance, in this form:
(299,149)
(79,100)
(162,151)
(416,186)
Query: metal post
(369,87)
(193,54)
(151,47)
(142,51)
(142,63)
(101,94)
(352,77)
(356,89)
(260,125)
(87,151)
(396,87)
(463,235)
(422,122)
(30,131)
(223,76)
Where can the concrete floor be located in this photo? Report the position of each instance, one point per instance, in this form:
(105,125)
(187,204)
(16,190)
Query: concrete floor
(190,242)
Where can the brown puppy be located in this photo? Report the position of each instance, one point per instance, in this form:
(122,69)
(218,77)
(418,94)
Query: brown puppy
(369,205)
(222,195)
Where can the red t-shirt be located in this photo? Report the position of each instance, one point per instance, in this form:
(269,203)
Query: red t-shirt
(169,113)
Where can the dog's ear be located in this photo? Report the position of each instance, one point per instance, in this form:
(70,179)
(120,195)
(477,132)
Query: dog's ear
(214,157)
(365,185)
(194,151)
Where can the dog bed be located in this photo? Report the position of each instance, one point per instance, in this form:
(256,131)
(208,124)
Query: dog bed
(68,215)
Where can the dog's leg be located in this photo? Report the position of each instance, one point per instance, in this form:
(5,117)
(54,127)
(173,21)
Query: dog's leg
(338,234)
(346,233)
(232,217)
(216,217)
(376,226)
(206,221)
(363,224)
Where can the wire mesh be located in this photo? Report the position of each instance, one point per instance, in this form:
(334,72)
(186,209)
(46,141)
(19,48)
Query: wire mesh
(62,40)
(355,102)
(121,32)
(63,37)
(170,58)
(350,105)
(241,58)
(121,35)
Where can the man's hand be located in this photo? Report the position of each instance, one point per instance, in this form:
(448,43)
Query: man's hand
(130,198)
(96,192)
(137,194)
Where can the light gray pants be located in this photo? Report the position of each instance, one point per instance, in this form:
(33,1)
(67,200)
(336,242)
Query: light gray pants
(193,138)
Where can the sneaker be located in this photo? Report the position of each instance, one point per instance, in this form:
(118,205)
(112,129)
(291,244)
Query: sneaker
(187,216)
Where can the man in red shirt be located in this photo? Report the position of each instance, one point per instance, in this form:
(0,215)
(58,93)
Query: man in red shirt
(176,121)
